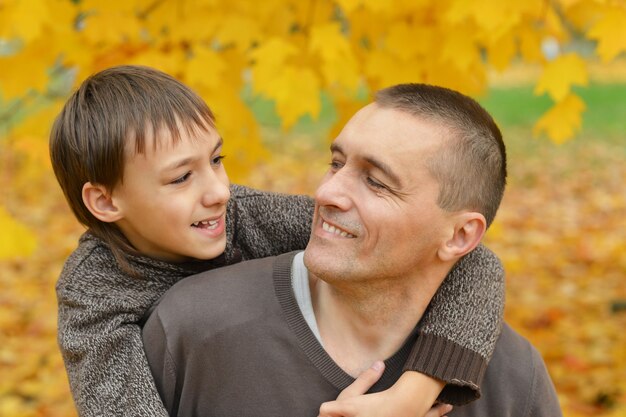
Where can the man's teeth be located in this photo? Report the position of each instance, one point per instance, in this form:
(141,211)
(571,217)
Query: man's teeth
(332,229)
(206,224)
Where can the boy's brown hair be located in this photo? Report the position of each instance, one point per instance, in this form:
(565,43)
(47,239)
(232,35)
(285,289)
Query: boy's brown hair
(106,121)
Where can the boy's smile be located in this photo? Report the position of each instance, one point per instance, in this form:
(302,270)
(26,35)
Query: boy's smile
(172,198)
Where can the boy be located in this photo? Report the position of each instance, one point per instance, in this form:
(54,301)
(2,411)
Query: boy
(139,160)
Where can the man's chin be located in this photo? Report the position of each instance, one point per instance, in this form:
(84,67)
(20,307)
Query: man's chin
(324,262)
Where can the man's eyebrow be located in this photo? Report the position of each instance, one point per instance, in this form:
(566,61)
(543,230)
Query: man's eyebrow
(385,168)
(378,164)
(177,164)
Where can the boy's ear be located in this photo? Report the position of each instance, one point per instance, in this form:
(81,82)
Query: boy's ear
(100,203)
(469,229)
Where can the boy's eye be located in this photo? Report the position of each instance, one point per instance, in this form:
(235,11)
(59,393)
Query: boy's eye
(218,160)
(335,165)
(182,179)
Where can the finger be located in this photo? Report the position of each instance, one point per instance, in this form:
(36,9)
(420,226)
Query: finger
(439,410)
(364,381)
(338,409)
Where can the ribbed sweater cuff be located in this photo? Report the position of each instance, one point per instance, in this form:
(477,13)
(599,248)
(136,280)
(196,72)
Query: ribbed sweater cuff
(462,369)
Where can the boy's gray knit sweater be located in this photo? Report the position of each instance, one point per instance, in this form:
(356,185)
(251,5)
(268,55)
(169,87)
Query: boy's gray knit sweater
(101,309)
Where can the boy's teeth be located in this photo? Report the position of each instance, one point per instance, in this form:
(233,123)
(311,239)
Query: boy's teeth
(208,224)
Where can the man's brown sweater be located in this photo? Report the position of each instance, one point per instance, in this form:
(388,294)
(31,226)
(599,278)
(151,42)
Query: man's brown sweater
(233,342)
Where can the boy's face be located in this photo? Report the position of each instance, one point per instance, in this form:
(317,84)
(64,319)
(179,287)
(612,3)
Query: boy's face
(172,199)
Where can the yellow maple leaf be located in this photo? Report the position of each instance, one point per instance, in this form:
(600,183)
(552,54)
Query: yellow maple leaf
(338,64)
(236,124)
(459,46)
(328,41)
(365,26)
(269,58)
(171,61)
(493,17)
(183,21)
(407,41)
(238,30)
(470,81)
(274,52)
(501,51)
(16,240)
(610,33)
(26,70)
(375,6)
(530,44)
(580,13)
(381,69)
(205,68)
(296,91)
(24,20)
(560,74)
(553,24)
(110,26)
(562,120)
(349,6)
(299,95)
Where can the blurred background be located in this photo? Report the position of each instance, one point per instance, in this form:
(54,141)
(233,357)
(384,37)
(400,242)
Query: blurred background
(283,77)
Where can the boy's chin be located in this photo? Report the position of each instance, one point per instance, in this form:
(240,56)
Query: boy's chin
(215,251)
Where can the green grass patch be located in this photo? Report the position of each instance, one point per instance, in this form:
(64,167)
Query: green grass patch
(519,108)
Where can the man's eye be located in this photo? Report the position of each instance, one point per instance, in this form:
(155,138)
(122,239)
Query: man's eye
(375,183)
(181,179)
(218,160)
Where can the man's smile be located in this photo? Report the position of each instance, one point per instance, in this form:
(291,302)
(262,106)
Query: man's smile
(335,230)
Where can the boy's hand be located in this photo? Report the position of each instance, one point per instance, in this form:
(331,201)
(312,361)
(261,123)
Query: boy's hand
(399,400)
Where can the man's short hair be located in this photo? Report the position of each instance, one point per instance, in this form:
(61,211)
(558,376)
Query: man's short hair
(106,121)
(471,165)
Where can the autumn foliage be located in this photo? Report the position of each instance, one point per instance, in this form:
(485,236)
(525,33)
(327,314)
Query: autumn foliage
(559,229)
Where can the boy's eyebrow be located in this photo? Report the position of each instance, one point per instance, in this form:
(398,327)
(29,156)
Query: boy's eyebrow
(382,166)
(177,164)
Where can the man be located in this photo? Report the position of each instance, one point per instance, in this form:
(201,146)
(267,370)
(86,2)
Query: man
(415,180)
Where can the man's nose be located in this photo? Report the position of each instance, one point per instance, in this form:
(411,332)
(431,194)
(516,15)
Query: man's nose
(335,190)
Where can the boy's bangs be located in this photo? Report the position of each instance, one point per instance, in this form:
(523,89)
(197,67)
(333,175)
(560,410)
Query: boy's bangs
(166,124)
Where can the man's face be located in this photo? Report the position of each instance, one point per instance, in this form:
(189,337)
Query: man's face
(376,212)
(173,197)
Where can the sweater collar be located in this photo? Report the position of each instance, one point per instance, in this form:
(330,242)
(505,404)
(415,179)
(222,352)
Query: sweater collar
(311,346)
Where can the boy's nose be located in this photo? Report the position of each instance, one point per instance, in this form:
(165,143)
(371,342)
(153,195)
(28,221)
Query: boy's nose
(218,192)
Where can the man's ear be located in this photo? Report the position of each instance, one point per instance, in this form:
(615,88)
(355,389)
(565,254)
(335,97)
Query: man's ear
(469,229)
(100,203)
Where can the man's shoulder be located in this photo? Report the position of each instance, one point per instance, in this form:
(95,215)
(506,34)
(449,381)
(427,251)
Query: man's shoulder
(217,300)
(516,382)
(515,357)
(214,288)
(512,342)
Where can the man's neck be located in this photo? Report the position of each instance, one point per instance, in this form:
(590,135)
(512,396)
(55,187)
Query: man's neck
(360,323)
